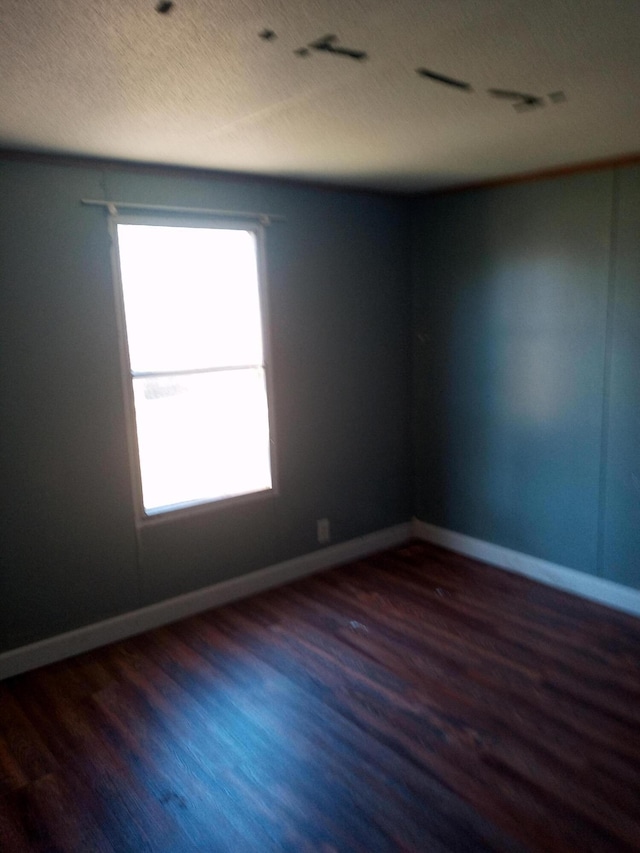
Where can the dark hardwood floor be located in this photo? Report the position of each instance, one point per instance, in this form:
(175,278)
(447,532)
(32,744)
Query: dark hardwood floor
(413,701)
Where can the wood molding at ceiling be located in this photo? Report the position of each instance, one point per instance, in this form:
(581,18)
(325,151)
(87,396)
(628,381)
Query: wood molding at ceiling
(541,175)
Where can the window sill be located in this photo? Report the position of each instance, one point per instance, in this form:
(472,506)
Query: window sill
(164,515)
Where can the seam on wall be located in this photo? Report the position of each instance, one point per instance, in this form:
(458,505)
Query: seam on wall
(417,230)
(413,355)
(606,378)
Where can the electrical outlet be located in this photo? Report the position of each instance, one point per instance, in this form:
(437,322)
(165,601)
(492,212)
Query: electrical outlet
(324,531)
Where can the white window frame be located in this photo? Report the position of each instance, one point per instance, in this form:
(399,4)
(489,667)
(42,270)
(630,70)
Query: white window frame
(164,514)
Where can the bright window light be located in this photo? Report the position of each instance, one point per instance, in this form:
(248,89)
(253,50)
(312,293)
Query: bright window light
(191,298)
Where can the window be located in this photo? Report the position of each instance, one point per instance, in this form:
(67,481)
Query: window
(198,384)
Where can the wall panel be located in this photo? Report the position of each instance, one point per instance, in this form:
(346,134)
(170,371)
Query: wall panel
(621,516)
(340,308)
(509,346)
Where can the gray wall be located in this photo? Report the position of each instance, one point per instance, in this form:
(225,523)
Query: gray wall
(526,382)
(340,309)
(527,368)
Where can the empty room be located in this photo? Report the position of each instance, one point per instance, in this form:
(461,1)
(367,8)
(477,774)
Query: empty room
(320,418)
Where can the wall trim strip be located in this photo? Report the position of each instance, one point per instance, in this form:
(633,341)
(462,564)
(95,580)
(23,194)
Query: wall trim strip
(126,625)
(596,589)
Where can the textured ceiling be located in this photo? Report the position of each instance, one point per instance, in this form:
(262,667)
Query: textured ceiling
(199,87)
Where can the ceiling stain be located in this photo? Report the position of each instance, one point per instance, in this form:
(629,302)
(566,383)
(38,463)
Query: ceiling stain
(442,78)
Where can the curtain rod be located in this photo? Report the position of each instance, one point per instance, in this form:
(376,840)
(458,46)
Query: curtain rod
(112,207)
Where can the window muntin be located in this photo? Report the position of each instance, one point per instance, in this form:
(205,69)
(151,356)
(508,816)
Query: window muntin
(193,319)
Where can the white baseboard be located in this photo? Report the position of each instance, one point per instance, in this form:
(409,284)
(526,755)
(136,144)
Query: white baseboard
(597,589)
(135,622)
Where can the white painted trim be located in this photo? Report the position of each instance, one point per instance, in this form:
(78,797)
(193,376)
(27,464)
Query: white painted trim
(137,621)
(168,514)
(595,588)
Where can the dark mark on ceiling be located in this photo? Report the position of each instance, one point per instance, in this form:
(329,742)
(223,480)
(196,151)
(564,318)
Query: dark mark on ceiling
(164,6)
(522,100)
(442,78)
(328,45)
